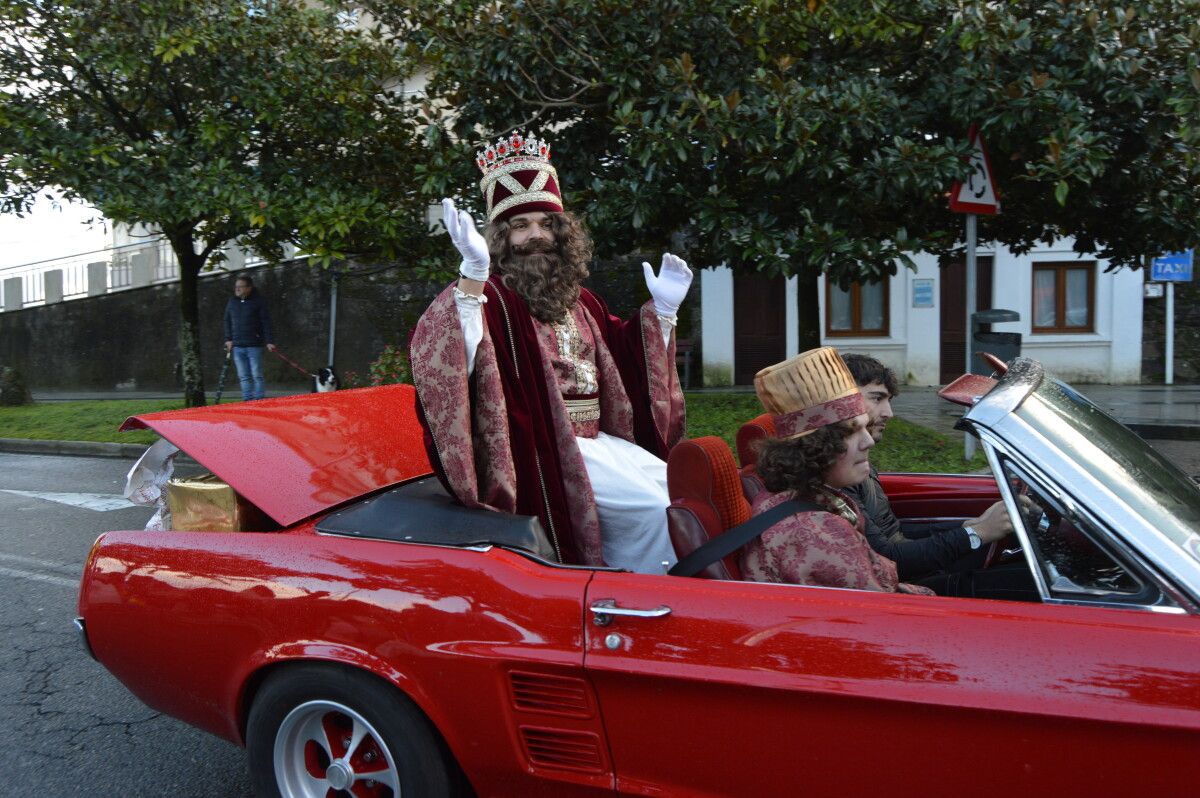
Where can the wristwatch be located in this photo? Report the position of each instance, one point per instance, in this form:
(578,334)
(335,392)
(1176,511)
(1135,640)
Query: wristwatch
(973,536)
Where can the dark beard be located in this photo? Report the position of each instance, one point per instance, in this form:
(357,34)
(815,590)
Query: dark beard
(540,279)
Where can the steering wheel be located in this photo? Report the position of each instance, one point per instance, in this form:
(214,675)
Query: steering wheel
(1033,515)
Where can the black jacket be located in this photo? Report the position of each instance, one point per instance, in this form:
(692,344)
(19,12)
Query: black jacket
(247,322)
(914,557)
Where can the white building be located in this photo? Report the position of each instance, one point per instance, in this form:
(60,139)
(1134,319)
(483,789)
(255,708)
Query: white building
(1083,323)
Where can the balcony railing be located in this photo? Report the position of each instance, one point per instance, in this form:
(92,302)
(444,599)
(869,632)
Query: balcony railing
(99,272)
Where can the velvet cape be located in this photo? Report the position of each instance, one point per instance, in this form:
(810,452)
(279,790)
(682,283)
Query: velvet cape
(501,440)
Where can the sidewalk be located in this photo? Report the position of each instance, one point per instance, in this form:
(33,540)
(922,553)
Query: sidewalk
(1153,411)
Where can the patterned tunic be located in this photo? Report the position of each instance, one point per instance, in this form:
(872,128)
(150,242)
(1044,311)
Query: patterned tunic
(819,548)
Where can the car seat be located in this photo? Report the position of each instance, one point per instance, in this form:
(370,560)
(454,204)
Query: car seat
(706,499)
(748,436)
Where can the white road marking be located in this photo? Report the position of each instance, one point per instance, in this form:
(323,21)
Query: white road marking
(61,581)
(63,568)
(100,502)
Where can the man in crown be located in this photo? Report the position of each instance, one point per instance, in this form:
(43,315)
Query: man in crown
(536,399)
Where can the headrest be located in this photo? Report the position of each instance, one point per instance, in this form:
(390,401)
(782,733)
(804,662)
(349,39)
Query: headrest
(750,433)
(702,469)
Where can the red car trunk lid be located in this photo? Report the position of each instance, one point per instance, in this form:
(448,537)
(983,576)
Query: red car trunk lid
(297,456)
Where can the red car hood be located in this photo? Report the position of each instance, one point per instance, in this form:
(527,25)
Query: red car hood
(297,456)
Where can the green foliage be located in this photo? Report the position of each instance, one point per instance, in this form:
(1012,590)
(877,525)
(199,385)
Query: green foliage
(824,135)
(391,366)
(268,123)
(13,390)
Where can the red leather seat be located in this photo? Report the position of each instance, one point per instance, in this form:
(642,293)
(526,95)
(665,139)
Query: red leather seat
(706,499)
(752,432)
(748,435)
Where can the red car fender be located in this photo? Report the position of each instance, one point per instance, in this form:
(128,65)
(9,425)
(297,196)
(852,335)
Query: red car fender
(261,667)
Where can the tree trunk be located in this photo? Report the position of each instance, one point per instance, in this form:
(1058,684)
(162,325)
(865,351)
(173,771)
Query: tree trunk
(191,366)
(808,309)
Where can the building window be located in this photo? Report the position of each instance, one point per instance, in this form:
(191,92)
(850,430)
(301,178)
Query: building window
(861,309)
(1064,297)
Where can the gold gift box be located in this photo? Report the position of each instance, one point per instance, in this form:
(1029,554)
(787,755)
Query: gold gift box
(206,504)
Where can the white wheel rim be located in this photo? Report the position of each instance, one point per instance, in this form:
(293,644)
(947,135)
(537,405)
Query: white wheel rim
(324,748)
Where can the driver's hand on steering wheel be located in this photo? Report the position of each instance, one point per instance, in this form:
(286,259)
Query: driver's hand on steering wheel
(994,524)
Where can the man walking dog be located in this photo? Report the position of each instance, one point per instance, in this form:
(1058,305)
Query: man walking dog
(247,331)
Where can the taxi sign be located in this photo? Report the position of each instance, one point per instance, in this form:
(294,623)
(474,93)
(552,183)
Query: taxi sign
(1174,267)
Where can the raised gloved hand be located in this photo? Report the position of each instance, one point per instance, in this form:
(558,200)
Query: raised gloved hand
(670,286)
(470,244)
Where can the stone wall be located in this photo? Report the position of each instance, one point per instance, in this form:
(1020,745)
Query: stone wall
(127,339)
(1187,335)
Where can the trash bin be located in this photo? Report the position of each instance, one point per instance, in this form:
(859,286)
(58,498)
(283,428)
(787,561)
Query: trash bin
(1004,345)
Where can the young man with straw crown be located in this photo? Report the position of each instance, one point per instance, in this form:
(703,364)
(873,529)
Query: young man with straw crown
(536,399)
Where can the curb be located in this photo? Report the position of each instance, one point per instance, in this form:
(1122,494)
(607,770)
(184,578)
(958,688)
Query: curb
(129,451)
(71,448)
(1166,432)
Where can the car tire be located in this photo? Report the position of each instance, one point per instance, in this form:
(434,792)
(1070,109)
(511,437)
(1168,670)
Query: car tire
(303,717)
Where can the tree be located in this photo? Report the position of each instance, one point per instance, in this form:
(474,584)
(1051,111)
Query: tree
(823,136)
(265,122)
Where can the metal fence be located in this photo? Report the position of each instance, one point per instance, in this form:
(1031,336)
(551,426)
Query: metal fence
(94,273)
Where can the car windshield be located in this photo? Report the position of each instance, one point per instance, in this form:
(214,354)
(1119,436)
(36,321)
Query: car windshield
(1133,470)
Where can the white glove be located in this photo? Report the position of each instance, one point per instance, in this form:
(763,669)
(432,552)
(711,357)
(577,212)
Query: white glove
(468,241)
(670,286)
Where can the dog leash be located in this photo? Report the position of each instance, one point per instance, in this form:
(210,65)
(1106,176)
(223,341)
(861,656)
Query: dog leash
(294,364)
(221,377)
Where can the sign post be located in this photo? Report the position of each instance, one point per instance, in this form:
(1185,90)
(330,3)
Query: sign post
(1174,267)
(977,194)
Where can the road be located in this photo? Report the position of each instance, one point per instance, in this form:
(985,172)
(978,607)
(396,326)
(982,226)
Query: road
(73,729)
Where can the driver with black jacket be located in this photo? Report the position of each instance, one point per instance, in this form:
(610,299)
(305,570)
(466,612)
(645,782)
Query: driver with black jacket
(948,556)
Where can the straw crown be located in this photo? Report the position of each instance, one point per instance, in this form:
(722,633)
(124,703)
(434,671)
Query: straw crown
(809,391)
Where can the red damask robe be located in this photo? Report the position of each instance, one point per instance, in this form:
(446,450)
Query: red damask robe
(503,438)
(819,548)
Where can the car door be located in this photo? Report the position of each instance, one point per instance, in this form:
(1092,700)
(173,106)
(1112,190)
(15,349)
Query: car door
(738,688)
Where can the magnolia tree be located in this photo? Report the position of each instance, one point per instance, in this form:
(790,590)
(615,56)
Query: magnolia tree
(267,122)
(810,137)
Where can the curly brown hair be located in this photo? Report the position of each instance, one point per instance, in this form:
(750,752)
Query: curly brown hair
(800,464)
(548,281)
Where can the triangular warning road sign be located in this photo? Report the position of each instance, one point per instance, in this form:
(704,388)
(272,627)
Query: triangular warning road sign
(978,193)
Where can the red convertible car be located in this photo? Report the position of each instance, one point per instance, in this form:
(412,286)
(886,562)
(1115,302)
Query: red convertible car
(375,639)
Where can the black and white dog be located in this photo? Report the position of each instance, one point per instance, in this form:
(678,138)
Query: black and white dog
(325,380)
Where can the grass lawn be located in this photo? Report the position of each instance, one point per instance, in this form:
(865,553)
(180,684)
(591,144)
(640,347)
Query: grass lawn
(81,421)
(905,447)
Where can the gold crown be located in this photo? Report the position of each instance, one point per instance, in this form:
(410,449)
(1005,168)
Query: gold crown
(809,391)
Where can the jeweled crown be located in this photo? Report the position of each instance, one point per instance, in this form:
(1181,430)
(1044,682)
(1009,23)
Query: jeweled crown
(512,147)
(518,177)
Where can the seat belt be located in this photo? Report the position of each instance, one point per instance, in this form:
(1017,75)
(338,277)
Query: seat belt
(734,538)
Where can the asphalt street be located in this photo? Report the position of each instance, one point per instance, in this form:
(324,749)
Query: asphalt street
(73,728)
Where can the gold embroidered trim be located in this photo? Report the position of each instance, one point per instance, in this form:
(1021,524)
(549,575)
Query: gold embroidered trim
(570,349)
(518,199)
(583,409)
(526,165)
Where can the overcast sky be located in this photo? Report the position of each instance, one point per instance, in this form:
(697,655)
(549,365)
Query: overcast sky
(50,232)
